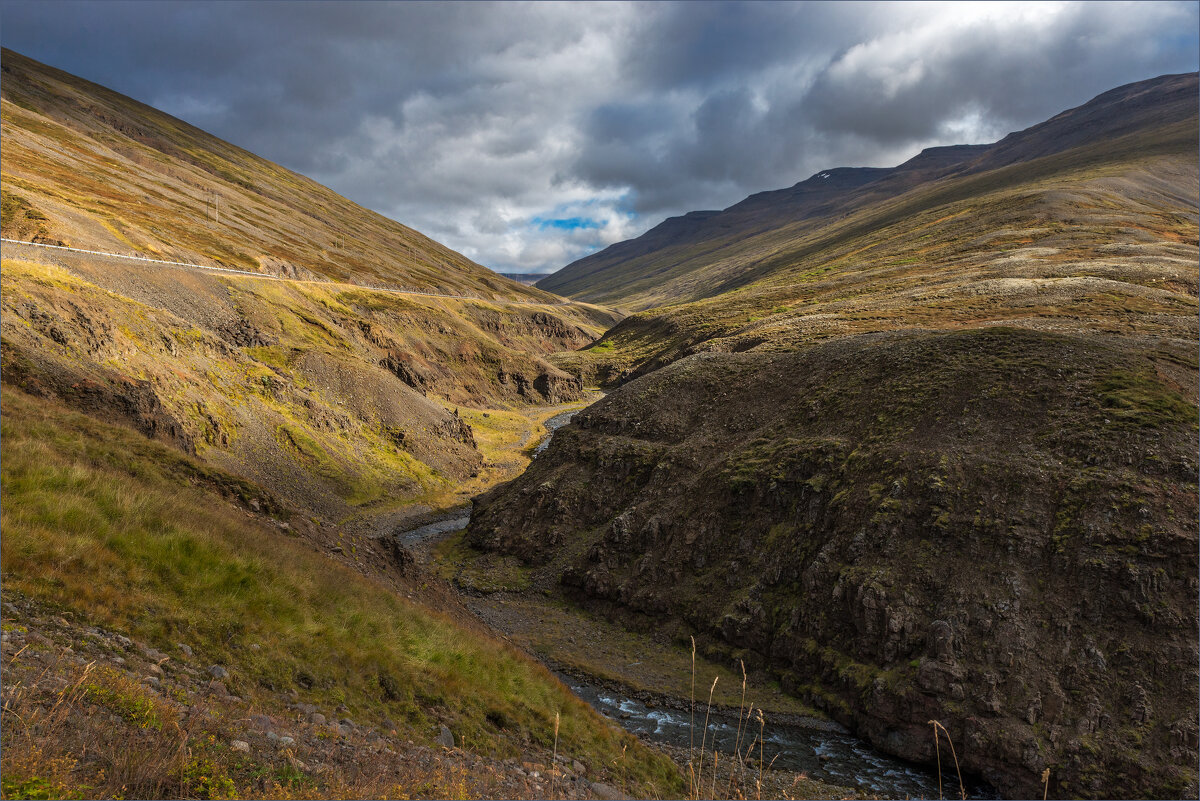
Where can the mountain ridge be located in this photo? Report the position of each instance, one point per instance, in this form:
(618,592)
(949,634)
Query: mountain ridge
(260,197)
(916,455)
(646,271)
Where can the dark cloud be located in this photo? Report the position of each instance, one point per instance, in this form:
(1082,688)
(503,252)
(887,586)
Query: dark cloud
(472,122)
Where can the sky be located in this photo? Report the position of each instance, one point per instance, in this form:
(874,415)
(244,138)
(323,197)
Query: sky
(530,135)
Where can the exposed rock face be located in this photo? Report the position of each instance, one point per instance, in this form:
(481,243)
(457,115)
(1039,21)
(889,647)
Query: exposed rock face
(551,386)
(992,529)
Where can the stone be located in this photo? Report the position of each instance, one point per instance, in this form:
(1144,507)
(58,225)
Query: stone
(606,791)
(445,737)
(240,745)
(218,672)
(261,722)
(579,767)
(316,718)
(217,688)
(941,641)
(285,740)
(153,654)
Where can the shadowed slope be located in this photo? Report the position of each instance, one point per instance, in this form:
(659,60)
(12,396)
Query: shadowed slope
(926,455)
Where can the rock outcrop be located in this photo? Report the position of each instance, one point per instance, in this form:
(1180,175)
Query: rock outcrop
(993,529)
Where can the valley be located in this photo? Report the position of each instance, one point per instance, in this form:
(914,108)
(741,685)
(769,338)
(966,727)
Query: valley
(339,512)
(912,442)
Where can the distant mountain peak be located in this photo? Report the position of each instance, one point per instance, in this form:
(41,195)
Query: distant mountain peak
(703,253)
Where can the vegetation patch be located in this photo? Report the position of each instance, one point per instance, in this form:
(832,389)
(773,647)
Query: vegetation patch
(1144,400)
(93,523)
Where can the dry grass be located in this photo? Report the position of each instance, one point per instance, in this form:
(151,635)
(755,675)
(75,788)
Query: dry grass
(90,731)
(96,519)
(738,774)
(938,748)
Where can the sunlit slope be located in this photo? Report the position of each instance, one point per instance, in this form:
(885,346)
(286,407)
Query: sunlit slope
(774,234)
(338,398)
(107,527)
(1099,239)
(91,168)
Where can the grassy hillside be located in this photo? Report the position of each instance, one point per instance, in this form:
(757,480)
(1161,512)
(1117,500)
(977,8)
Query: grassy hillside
(334,398)
(1100,239)
(340,399)
(779,236)
(87,167)
(135,537)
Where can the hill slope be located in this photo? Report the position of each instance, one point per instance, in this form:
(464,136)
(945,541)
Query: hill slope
(156,567)
(335,397)
(87,167)
(197,467)
(927,455)
(704,253)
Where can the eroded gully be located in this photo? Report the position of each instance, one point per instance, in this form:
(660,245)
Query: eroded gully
(823,750)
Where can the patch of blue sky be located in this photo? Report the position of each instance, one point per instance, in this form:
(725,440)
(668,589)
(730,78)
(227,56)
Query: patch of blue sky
(567,223)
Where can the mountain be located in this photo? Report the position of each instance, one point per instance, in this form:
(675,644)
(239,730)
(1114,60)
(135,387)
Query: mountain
(677,262)
(267,378)
(202,473)
(88,167)
(922,445)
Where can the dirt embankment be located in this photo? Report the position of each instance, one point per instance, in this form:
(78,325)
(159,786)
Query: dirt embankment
(993,529)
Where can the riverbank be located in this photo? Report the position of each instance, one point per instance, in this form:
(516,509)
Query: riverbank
(655,687)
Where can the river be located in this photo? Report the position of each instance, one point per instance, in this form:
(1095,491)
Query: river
(822,750)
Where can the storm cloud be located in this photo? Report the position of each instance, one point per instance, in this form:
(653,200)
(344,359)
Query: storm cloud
(528,135)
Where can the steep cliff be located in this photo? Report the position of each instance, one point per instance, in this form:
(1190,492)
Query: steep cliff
(992,528)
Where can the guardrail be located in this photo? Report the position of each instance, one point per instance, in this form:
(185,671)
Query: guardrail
(269,277)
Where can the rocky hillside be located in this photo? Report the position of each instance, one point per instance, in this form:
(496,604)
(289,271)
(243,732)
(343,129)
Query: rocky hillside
(928,459)
(336,397)
(171,631)
(706,253)
(993,528)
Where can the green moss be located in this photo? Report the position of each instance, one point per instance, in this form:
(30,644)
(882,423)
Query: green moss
(1142,399)
(97,521)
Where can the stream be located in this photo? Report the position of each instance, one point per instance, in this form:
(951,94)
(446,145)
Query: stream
(457,519)
(823,750)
